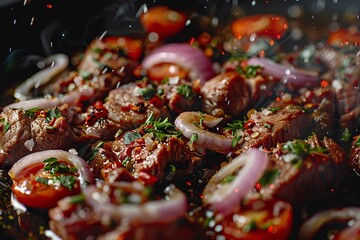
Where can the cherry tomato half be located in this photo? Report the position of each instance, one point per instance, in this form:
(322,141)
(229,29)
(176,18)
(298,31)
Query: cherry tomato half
(163,21)
(132,47)
(260,220)
(344,37)
(162,71)
(273,26)
(32,192)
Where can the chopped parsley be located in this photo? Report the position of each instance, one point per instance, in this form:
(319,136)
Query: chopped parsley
(148,93)
(67,181)
(6,125)
(236,127)
(129,137)
(126,161)
(52,113)
(32,112)
(269,177)
(301,149)
(250,71)
(95,150)
(162,129)
(346,135)
(52,165)
(186,91)
(194,138)
(228,179)
(357,142)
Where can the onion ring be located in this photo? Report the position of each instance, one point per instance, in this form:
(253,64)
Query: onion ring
(182,54)
(58,63)
(293,77)
(159,211)
(83,169)
(225,198)
(216,142)
(44,103)
(311,226)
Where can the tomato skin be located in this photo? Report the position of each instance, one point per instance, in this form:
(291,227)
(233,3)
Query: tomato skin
(38,195)
(132,47)
(273,26)
(162,71)
(344,37)
(279,230)
(163,21)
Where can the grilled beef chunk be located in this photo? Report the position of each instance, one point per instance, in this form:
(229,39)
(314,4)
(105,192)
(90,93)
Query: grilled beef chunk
(271,126)
(354,159)
(101,68)
(178,95)
(302,171)
(73,219)
(27,131)
(154,151)
(225,95)
(131,104)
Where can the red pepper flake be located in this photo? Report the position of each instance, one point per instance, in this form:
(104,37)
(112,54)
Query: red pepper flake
(249,124)
(98,111)
(147,178)
(156,101)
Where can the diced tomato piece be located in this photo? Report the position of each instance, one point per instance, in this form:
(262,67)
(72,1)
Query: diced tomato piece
(273,26)
(164,21)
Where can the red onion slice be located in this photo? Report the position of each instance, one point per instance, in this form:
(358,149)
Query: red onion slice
(72,98)
(311,226)
(184,55)
(83,169)
(216,142)
(58,63)
(159,211)
(225,198)
(294,78)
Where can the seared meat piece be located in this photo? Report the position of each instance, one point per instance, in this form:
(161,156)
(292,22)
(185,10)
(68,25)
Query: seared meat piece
(302,171)
(178,95)
(225,95)
(354,159)
(131,104)
(26,131)
(271,126)
(348,100)
(73,219)
(155,151)
(101,68)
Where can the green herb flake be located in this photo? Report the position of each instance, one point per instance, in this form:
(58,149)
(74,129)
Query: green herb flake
(228,179)
(52,165)
(6,125)
(235,140)
(194,138)
(301,149)
(95,150)
(148,93)
(357,142)
(119,133)
(126,161)
(77,199)
(32,112)
(346,135)
(269,177)
(67,181)
(129,137)
(251,226)
(252,70)
(273,109)
(162,129)
(186,91)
